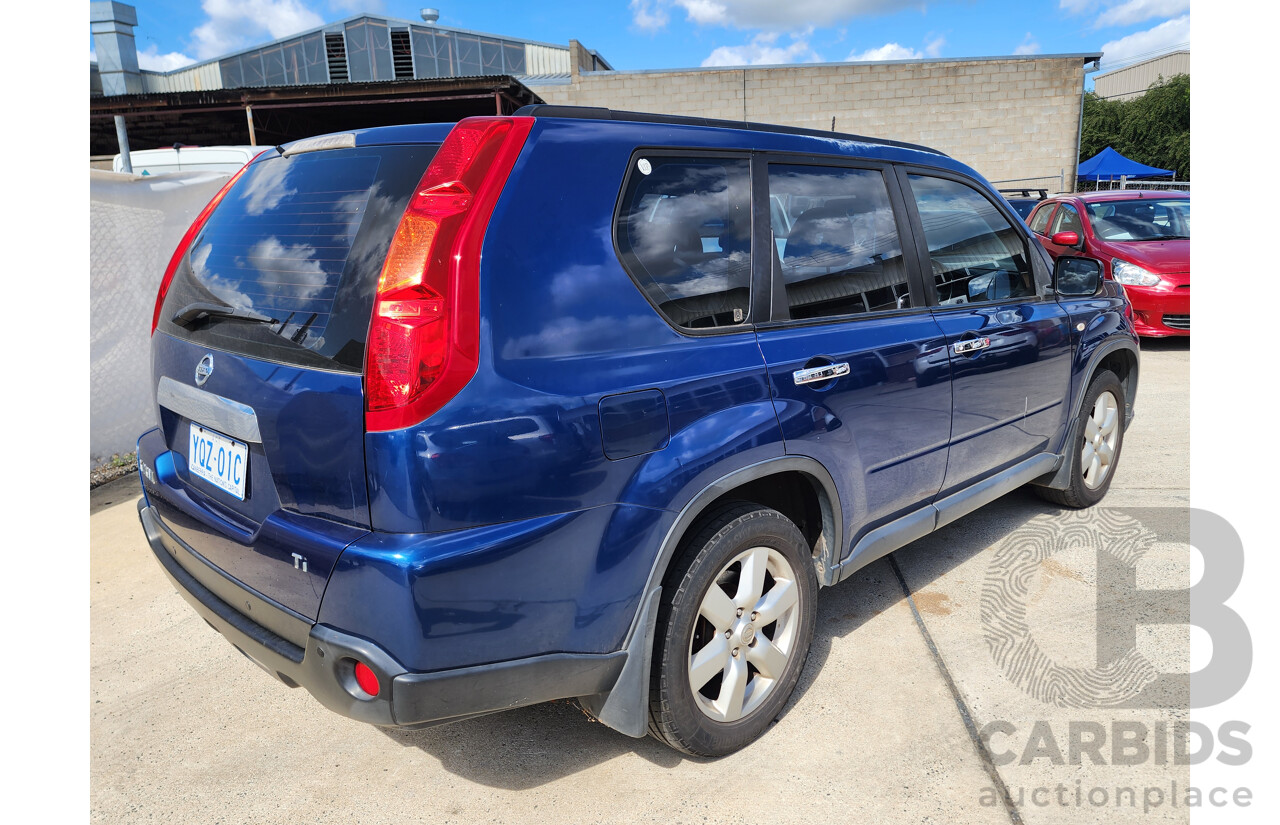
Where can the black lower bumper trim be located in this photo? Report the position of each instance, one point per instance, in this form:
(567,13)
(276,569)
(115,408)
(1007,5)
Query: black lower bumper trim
(407,699)
(427,697)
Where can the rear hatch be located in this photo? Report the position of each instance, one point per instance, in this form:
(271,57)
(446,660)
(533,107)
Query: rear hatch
(258,361)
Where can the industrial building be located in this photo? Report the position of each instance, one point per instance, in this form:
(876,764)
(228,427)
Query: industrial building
(1133,81)
(1010,117)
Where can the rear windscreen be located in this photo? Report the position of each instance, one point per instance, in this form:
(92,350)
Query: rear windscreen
(298,243)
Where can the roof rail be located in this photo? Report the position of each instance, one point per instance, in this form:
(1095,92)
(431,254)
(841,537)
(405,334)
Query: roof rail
(601,113)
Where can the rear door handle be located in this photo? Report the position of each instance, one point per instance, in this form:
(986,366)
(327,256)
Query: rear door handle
(814,375)
(970,345)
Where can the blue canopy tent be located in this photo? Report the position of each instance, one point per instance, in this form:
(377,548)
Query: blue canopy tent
(1111,165)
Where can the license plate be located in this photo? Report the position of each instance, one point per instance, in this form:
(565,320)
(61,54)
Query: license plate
(221,461)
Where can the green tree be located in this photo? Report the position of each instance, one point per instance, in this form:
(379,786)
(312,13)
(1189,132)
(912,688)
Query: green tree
(1154,129)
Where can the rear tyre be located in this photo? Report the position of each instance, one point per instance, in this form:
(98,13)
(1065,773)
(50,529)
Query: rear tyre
(733,631)
(1096,453)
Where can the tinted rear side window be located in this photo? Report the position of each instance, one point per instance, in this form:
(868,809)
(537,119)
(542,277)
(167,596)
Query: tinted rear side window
(301,241)
(837,241)
(684,231)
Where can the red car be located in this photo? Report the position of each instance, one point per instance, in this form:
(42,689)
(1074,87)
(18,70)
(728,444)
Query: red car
(1143,239)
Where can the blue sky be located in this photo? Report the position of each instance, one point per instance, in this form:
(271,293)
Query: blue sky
(654,34)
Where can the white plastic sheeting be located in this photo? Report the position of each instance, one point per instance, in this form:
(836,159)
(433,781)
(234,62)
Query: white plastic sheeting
(135,223)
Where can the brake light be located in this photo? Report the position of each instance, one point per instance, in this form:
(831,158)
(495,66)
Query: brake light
(424,340)
(185,243)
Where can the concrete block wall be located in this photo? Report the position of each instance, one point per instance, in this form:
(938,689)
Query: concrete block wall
(1006,117)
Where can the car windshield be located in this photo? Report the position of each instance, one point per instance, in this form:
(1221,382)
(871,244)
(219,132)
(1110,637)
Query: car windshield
(1145,219)
(1023,206)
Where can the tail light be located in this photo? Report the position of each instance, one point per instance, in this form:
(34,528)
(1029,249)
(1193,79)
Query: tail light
(424,340)
(185,243)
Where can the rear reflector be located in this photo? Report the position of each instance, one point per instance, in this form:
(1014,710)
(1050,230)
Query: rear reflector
(185,243)
(424,340)
(367,679)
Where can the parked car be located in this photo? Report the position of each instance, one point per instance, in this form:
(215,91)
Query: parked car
(227,159)
(588,404)
(1142,239)
(1024,201)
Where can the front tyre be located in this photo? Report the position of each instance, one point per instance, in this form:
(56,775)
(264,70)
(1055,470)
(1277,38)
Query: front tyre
(733,631)
(1096,453)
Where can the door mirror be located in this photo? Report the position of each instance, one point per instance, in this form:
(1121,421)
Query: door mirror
(1066,238)
(1076,277)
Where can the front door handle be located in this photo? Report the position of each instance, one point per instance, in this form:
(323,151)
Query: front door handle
(815,375)
(970,345)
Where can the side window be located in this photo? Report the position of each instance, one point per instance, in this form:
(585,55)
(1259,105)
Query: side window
(1067,220)
(837,244)
(976,254)
(684,231)
(1040,220)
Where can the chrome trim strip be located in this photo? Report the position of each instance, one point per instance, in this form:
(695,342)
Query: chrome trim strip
(815,375)
(222,414)
(970,345)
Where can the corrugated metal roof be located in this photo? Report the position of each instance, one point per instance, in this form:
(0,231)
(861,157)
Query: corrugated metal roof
(1142,63)
(545,79)
(337,26)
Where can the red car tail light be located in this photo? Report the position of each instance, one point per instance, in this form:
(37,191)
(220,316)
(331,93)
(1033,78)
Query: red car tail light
(424,339)
(187,239)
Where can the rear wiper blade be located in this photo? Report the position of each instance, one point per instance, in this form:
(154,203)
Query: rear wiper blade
(191,313)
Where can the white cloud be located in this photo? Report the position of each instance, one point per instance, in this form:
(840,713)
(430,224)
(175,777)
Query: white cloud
(356,6)
(236,23)
(1077,6)
(1138,11)
(1029,45)
(934,47)
(762,51)
(765,14)
(889,51)
(1165,37)
(648,15)
(705,11)
(150,60)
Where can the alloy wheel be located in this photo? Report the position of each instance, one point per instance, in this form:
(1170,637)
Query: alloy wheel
(1101,434)
(745,634)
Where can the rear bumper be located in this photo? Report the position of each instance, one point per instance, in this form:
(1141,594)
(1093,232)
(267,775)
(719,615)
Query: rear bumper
(321,658)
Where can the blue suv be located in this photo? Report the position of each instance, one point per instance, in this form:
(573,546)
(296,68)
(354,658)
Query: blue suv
(587,404)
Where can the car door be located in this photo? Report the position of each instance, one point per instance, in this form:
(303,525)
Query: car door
(857,364)
(1008,341)
(1066,219)
(1039,222)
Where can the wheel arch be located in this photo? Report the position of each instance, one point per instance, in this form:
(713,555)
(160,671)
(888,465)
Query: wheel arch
(794,483)
(1123,361)
(1119,354)
(799,487)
